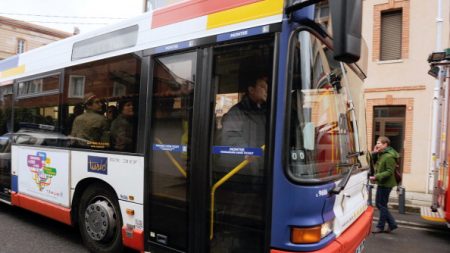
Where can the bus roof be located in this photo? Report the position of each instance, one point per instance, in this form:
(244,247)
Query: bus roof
(162,30)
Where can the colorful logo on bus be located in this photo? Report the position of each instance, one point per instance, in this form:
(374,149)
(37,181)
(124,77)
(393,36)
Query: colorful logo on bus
(39,165)
(98,164)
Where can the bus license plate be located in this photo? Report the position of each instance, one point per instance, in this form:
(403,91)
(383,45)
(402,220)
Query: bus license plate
(360,247)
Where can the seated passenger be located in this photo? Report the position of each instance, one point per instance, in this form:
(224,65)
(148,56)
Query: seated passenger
(77,111)
(122,128)
(91,126)
(111,113)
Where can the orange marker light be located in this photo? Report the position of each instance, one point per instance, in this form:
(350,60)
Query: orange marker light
(306,235)
(130,211)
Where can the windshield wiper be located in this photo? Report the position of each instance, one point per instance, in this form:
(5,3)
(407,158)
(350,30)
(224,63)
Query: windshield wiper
(355,154)
(343,183)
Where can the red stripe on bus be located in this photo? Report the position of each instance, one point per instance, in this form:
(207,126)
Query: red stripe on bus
(134,240)
(193,9)
(350,239)
(46,209)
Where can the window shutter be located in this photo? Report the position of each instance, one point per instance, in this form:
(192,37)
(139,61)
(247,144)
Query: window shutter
(391,35)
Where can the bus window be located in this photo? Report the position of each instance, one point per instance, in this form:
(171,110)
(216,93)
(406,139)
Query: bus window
(321,132)
(6,102)
(36,114)
(100,104)
(242,75)
(5,143)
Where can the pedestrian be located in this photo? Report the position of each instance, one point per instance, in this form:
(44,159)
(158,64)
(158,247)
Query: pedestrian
(385,179)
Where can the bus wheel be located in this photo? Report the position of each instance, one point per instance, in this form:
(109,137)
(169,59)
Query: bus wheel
(99,220)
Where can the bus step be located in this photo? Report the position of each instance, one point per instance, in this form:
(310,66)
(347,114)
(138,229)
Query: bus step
(427,214)
(5,196)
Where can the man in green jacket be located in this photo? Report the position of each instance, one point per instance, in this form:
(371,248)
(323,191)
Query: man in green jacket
(385,179)
(91,128)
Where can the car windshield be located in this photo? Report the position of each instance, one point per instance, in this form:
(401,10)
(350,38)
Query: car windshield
(321,135)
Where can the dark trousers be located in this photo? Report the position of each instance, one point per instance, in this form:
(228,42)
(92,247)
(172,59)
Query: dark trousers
(381,202)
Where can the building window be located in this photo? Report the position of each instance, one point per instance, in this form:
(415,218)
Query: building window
(20,46)
(391,30)
(76,86)
(30,87)
(391,35)
(322,15)
(119,89)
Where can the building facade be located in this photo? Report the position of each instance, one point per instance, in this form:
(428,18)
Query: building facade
(400,34)
(17,36)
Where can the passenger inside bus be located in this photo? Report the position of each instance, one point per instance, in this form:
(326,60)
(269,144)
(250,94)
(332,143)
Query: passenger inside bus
(111,113)
(91,128)
(122,128)
(243,126)
(78,109)
(238,200)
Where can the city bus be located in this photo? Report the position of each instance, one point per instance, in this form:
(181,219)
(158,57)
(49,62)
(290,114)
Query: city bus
(200,126)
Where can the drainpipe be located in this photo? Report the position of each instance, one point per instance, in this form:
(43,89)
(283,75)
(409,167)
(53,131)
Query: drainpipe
(434,165)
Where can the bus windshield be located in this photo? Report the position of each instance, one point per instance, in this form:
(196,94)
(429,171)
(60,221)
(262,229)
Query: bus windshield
(321,134)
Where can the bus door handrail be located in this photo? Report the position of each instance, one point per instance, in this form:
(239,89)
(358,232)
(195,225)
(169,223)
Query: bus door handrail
(219,183)
(172,159)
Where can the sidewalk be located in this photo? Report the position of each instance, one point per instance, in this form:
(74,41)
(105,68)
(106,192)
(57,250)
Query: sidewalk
(413,200)
(411,219)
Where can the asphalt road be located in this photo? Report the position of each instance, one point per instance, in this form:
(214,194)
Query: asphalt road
(413,236)
(22,231)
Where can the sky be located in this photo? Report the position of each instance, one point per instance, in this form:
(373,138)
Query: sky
(64,15)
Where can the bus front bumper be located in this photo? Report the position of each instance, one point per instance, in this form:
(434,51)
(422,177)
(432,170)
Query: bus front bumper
(352,240)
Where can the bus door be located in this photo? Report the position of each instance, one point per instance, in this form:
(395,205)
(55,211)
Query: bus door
(169,177)
(207,180)
(242,78)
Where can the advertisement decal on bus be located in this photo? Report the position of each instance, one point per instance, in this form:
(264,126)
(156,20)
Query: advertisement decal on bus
(44,174)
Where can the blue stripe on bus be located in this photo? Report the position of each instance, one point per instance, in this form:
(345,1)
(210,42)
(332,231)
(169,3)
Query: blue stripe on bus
(9,63)
(170,148)
(294,204)
(175,46)
(243,33)
(225,150)
(15,183)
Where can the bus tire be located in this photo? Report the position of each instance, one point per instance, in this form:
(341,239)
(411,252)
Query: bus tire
(99,220)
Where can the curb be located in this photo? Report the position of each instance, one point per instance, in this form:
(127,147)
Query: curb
(409,223)
(434,226)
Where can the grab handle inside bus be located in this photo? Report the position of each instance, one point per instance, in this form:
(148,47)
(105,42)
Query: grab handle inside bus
(221,181)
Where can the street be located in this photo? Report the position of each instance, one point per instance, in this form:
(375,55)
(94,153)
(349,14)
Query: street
(414,235)
(22,231)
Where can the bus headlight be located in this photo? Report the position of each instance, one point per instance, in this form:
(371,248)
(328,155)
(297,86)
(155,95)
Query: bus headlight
(326,228)
(311,234)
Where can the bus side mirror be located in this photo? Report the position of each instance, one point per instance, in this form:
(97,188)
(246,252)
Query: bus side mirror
(346,16)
